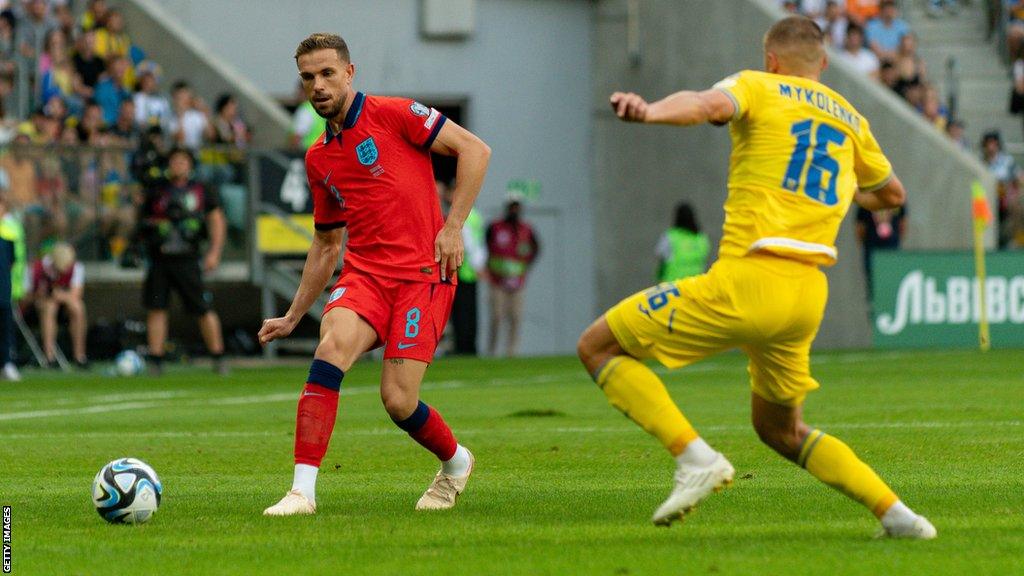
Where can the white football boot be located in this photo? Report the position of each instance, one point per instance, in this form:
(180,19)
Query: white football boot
(292,504)
(919,529)
(445,488)
(693,484)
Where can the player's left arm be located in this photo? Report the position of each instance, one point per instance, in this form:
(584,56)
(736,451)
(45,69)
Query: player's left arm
(879,188)
(685,108)
(217,225)
(473,156)
(889,195)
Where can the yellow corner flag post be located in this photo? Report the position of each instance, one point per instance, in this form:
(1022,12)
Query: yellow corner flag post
(982,218)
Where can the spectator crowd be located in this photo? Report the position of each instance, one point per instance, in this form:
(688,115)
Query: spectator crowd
(86,120)
(87,124)
(872,37)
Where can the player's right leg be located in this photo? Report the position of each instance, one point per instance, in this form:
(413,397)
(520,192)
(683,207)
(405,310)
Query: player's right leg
(344,336)
(637,391)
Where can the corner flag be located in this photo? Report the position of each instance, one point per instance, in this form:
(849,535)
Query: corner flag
(982,216)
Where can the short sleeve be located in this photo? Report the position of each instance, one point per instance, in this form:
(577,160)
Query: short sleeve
(78,275)
(663,249)
(327,202)
(211,200)
(739,89)
(864,216)
(417,123)
(872,168)
(302,121)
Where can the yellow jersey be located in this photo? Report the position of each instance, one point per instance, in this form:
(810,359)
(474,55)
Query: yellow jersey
(799,152)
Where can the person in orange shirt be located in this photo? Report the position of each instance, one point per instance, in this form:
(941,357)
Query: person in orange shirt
(860,11)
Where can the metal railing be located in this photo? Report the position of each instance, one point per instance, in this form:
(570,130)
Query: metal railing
(89,196)
(953,88)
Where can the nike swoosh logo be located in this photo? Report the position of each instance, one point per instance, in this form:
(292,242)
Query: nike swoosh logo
(328,177)
(311,394)
(404,346)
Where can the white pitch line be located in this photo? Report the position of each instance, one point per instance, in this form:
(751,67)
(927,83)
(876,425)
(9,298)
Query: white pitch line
(508,430)
(158,395)
(98,409)
(260,398)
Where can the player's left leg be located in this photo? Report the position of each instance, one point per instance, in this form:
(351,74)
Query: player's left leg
(833,462)
(419,315)
(198,301)
(209,327)
(78,325)
(400,392)
(515,319)
(638,393)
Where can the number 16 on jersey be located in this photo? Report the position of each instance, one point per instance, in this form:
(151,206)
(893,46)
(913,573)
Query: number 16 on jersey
(820,161)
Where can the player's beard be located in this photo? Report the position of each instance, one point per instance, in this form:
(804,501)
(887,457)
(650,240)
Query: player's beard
(333,111)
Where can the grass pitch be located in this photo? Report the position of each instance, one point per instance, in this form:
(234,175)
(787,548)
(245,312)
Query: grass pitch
(563,484)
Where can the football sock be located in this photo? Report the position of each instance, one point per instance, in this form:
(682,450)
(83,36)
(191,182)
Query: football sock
(832,462)
(697,453)
(639,394)
(426,426)
(305,480)
(318,407)
(458,464)
(898,516)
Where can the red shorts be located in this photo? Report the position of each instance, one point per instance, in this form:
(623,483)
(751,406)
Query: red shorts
(409,317)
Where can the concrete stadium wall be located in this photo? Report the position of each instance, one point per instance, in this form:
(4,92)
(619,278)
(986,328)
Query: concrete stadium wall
(640,172)
(524,75)
(183,55)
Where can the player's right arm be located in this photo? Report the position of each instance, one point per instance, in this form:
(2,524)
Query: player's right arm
(316,273)
(684,108)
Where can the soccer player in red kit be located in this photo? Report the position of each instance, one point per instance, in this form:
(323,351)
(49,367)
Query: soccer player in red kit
(371,175)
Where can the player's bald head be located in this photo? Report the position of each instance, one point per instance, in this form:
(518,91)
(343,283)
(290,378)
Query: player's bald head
(323,41)
(797,42)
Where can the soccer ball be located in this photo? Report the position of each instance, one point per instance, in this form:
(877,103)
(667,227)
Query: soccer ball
(128,363)
(126,491)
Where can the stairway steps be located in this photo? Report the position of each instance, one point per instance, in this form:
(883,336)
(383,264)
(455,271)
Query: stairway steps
(984,82)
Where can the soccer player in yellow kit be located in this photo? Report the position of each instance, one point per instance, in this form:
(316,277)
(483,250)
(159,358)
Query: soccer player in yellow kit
(801,154)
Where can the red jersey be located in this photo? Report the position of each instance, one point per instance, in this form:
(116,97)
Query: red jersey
(375,177)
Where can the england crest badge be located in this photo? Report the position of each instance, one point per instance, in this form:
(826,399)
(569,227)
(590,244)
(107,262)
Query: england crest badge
(366,151)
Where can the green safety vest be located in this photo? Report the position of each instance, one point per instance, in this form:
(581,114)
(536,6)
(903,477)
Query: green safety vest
(12,230)
(689,255)
(476,229)
(318,127)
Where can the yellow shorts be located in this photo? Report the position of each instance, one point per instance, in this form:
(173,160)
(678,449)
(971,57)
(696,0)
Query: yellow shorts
(767,306)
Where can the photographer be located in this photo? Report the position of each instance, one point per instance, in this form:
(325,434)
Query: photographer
(177,216)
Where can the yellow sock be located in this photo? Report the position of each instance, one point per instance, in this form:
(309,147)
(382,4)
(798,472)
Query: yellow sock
(638,392)
(835,464)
